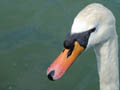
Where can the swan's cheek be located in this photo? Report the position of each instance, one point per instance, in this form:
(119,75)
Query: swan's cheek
(94,39)
(91,41)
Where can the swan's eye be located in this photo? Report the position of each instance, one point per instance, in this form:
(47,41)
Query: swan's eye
(93,29)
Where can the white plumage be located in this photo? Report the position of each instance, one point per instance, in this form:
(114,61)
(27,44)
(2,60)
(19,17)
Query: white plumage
(104,41)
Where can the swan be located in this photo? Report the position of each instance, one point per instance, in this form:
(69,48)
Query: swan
(93,27)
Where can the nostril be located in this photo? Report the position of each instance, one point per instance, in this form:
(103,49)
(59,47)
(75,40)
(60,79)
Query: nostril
(69,53)
(50,75)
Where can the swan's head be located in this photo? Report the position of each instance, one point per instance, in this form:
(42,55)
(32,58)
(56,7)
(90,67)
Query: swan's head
(95,23)
(92,26)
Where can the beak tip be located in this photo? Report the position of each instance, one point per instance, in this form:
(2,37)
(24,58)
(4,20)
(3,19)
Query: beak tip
(50,75)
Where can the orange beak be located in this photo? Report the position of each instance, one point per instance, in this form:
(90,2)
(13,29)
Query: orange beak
(63,62)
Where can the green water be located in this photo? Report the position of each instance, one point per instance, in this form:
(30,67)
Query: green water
(31,37)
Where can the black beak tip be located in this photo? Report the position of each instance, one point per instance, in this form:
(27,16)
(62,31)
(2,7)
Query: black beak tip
(50,75)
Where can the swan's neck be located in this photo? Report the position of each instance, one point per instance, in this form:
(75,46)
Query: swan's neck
(108,69)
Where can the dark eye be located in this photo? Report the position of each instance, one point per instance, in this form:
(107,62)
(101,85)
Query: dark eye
(93,29)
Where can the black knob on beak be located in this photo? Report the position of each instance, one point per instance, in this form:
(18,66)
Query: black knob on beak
(50,75)
(68,44)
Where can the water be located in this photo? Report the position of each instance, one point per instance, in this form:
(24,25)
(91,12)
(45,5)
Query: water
(31,37)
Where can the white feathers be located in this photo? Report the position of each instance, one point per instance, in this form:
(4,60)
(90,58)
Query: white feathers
(103,40)
(91,16)
(80,26)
